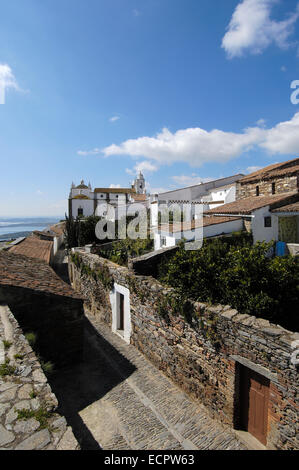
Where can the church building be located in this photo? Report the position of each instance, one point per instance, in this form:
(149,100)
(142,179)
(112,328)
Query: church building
(85,201)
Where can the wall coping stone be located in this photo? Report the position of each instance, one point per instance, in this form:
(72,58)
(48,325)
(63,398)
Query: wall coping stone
(256,368)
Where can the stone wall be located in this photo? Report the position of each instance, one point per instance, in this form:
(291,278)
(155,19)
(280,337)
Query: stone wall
(205,354)
(56,320)
(24,388)
(282,185)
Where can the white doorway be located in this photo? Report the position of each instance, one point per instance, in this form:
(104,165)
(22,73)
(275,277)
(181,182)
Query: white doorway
(121,315)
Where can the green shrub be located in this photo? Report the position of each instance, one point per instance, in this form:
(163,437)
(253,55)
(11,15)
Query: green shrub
(31,338)
(41,415)
(238,274)
(6,369)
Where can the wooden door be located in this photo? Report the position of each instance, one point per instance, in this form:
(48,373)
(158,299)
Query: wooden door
(254,403)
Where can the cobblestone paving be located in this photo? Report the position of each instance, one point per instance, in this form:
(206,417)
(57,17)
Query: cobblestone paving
(25,389)
(140,408)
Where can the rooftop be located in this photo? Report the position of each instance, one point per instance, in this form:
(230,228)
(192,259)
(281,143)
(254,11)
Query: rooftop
(288,168)
(139,197)
(192,225)
(115,190)
(20,271)
(249,204)
(33,247)
(288,208)
(212,184)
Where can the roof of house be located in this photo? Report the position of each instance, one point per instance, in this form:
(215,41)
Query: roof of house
(250,204)
(288,208)
(139,197)
(20,271)
(192,225)
(33,247)
(288,168)
(80,196)
(57,229)
(219,183)
(43,235)
(115,190)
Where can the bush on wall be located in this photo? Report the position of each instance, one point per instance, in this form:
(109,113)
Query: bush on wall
(243,276)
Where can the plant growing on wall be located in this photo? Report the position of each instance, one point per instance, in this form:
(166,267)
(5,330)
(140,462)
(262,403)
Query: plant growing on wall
(239,275)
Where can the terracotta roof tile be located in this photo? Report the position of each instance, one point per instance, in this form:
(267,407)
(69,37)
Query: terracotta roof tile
(139,197)
(249,204)
(207,221)
(33,247)
(58,229)
(21,271)
(288,168)
(289,208)
(115,190)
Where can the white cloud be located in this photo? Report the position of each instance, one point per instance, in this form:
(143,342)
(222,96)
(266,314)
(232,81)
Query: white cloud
(185,180)
(195,146)
(252,169)
(252,30)
(283,68)
(7,78)
(7,81)
(84,153)
(114,186)
(283,138)
(114,118)
(136,12)
(144,167)
(261,122)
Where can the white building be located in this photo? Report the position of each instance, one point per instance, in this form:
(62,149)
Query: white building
(170,235)
(210,194)
(104,202)
(274,217)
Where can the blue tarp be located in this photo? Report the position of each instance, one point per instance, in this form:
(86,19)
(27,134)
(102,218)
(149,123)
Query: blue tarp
(281,248)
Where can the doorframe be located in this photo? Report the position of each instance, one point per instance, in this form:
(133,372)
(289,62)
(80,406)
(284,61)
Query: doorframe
(114,299)
(240,363)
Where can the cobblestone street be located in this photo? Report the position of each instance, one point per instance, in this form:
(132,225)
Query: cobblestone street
(116,399)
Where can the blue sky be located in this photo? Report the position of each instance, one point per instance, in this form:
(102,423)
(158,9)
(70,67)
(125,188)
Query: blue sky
(186,90)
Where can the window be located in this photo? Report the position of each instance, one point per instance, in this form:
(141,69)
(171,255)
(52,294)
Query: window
(273,188)
(257,191)
(80,211)
(267,222)
(163,241)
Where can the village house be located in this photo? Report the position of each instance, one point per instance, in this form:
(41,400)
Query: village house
(168,235)
(274,179)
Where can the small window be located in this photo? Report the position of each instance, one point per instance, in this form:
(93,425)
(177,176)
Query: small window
(80,211)
(273,188)
(163,241)
(257,190)
(267,222)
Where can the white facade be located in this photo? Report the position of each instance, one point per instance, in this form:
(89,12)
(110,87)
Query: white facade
(163,239)
(83,201)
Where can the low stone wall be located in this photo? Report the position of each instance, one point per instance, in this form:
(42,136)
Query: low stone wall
(56,320)
(149,262)
(24,387)
(205,354)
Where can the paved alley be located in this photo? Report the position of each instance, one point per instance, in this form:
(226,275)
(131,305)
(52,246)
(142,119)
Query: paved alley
(116,399)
